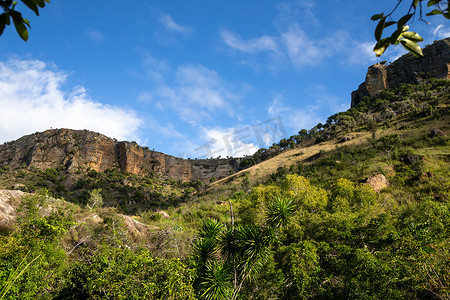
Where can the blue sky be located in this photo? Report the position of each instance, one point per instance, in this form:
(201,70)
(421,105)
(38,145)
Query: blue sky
(190,78)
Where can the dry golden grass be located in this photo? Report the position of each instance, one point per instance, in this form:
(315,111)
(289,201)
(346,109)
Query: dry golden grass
(260,173)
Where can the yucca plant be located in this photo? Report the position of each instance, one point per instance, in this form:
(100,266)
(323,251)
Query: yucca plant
(279,211)
(226,256)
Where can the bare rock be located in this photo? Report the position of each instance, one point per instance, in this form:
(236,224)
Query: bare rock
(406,69)
(81,150)
(344,139)
(437,132)
(378,182)
(136,228)
(163,214)
(9,201)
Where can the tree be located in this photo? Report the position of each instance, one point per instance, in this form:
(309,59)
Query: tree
(402,35)
(10,12)
(95,198)
(303,133)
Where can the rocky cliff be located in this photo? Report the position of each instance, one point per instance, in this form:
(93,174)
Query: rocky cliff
(80,150)
(406,69)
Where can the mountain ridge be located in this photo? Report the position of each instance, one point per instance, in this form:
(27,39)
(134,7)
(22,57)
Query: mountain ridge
(83,150)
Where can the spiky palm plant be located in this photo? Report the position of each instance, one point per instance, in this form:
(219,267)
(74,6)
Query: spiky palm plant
(279,211)
(227,256)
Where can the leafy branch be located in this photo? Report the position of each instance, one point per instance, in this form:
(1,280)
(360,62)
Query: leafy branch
(408,39)
(20,23)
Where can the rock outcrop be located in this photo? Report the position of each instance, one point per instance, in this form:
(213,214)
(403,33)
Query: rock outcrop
(80,150)
(378,182)
(9,200)
(406,69)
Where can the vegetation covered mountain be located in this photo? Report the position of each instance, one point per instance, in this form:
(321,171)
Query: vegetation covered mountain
(356,208)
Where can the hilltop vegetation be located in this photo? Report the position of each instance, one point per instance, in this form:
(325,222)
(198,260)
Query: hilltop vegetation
(299,223)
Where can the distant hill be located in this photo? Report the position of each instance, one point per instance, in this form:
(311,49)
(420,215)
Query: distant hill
(83,150)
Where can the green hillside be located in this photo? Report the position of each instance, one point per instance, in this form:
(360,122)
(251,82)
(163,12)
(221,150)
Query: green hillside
(356,208)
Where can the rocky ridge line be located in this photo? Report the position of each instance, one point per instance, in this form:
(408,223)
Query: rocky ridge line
(80,150)
(407,69)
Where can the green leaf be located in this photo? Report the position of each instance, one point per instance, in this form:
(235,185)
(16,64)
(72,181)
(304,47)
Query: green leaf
(435,12)
(3,18)
(381,46)
(403,20)
(7,19)
(279,211)
(433,2)
(411,47)
(395,37)
(377,17)
(26,22)
(387,24)
(39,3)
(415,3)
(31,5)
(216,282)
(19,24)
(413,36)
(379,29)
(210,229)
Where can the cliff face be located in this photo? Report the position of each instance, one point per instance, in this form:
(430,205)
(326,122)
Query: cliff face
(406,69)
(78,150)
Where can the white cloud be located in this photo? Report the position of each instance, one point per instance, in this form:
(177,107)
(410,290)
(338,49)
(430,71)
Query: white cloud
(95,35)
(261,44)
(235,142)
(291,12)
(156,69)
(292,45)
(196,93)
(171,26)
(301,50)
(306,116)
(32,99)
(362,54)
(441,32)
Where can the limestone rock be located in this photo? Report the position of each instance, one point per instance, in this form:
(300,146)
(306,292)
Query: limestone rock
(378,182)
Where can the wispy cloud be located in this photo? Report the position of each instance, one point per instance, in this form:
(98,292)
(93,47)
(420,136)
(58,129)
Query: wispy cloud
(301,50)
(441,32)
(306,116)
(301,42)
(294,118)
(32,99)
(196,94)
(225,142)
(293,44)
(95,35)
(171,26)
(291,12)
(256,45)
